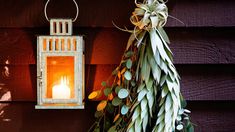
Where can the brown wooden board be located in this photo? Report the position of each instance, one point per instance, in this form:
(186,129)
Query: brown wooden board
(106,45)
(199,82)
(194,13)
(22,117)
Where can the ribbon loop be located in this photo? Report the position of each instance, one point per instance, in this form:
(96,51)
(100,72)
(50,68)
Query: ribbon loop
(147,16)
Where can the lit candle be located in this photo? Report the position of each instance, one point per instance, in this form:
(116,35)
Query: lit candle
(62,90)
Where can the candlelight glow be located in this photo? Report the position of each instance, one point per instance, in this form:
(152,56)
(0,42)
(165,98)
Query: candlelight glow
(62,90)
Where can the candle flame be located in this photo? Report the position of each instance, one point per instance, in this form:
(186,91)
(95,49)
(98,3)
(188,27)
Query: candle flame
(64,80)
(62,90)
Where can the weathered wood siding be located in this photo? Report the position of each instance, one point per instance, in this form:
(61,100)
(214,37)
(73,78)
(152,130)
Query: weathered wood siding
(204,55)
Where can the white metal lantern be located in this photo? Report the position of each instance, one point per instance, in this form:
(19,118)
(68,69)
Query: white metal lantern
(60,68)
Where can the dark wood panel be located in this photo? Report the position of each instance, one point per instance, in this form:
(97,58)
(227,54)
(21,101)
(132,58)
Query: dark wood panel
(212,116)
(199,82)
(106,45)
(26,13)
(22,117)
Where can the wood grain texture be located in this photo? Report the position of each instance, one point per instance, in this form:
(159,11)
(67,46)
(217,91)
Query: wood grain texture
(22,117)
(212,116)
(199,82)
(194,13)
(106,45)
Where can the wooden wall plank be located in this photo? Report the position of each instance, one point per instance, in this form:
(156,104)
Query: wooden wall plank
(212,116)
(21,116)
(200,82)
(106,45)
(24,13)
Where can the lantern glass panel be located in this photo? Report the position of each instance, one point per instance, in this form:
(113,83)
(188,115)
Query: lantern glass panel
(60,77)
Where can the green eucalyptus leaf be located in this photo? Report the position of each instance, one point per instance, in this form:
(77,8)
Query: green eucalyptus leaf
(145,123)
(157,58)
(141,86)
(123,93)
(172,77)
(143,104)
(128,54)
(150,84)
(110,108)
(179,118)
(156,71)
(164,91)
(112,129)
(107,91)
(144,113)
(170,85)
(142,94)
(162,101)
(130,127)
(129,63)
(133,83)
(103,83)
(160,118)
(124,110)
(190,128)
(154,40)
(163,79)
(168,116)
(179,127)
(141,53)
(116,101)
(156,43)
(168,50)
(168,103)
(145,71)
(117,89)
(187,111)
(131,40)
(175,100)
(98,114)
(183,101)
(138,124)
(136,113)
(150,98)
(162,109)
(128,75)
(164,35)
(163,66)
(181,111)
(97,129)
(140,38)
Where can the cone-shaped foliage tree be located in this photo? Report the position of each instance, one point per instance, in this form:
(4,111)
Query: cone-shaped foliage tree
(145,91)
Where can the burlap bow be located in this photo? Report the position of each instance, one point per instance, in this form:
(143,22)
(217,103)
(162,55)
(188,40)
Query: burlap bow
(147,16)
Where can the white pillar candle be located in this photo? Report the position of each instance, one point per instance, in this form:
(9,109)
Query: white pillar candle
(62,90)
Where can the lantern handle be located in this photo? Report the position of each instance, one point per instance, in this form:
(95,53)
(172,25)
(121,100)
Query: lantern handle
(45,11)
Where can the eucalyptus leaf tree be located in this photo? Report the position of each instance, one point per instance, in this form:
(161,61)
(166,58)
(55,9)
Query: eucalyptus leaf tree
(145,91)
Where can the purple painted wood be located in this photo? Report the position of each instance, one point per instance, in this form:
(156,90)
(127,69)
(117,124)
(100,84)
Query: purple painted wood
(194,13)
(199,82)
(21,116)
(106,45)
